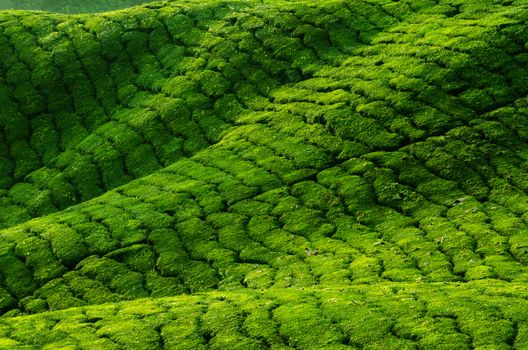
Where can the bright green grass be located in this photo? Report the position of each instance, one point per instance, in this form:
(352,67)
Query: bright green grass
(231,174)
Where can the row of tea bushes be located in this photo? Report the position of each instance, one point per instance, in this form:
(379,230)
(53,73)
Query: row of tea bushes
(392,316)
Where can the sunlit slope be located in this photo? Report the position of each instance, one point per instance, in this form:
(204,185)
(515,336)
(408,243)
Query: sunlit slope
(482,315)
(258,149)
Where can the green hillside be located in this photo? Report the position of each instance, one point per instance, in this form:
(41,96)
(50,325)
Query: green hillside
(344,174)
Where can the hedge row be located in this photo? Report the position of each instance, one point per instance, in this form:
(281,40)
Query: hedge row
(392,316)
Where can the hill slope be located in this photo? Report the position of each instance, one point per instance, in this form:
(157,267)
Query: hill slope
(254,170)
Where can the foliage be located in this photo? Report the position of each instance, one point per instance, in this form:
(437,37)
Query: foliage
(230,174)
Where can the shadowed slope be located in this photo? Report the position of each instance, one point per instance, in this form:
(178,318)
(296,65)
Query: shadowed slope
(351,145)
(120,98)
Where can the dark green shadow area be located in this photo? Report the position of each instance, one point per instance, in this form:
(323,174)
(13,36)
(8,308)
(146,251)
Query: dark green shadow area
(69,6)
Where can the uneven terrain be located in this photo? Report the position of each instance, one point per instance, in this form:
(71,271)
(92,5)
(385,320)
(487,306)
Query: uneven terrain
(347,174)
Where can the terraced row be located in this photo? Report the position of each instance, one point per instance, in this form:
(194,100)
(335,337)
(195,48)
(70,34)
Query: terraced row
(395,316)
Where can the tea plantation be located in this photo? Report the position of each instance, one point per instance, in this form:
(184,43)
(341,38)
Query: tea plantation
(242,174)
(69,6)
